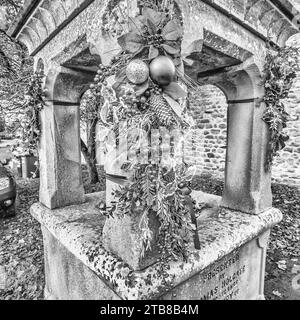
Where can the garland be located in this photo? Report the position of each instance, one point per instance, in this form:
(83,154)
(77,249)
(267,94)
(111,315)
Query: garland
(148,91)
(163,192)
(30,127)
(281,69)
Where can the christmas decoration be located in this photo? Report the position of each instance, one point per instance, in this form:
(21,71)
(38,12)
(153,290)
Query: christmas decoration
(137,71)
(280,70)
(162,70)
(152,33)
(149,92)
(161,108)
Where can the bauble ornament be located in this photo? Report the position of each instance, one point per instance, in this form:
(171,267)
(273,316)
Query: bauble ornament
(162,70)
(137,71)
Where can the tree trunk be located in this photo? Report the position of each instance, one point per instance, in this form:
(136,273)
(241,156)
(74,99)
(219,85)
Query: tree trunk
(91,163)
(89,152)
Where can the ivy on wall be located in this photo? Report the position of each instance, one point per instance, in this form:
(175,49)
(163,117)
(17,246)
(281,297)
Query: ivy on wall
(280,71)
(29,130)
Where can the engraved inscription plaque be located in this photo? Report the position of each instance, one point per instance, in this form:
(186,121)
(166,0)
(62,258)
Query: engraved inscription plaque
(237,276)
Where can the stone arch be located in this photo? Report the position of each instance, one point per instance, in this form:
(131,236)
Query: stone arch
(60,154)
(209,110)
(247,184)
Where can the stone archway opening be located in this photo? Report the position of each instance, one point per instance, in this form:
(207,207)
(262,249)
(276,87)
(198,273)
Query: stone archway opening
(90,144)
(209,110)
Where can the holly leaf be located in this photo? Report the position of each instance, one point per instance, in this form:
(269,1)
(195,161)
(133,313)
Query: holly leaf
(170,49)
(154,16)
(131,42)
(153,52)
(175,91)
(151,27)
(137,23)
(172,31)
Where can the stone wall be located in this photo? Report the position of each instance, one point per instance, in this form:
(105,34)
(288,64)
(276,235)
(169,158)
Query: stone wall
(209,109)
(210,112)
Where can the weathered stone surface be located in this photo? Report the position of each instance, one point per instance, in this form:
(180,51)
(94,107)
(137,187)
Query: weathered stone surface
(247,184)
(79,229)
(122,236)
(68,278)
(60,163)
(237,276)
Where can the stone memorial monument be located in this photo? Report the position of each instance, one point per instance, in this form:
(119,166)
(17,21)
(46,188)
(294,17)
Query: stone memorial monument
(158,246)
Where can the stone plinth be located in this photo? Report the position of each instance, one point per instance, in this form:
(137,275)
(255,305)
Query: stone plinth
(229,265)
(122,237)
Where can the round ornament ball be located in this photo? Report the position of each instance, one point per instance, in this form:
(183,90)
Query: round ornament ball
(137,71)
(162,70)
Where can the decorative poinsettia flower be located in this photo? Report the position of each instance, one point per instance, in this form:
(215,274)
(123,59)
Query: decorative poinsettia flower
(153,33)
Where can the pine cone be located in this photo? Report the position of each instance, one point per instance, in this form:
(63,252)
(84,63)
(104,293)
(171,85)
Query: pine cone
(161,108)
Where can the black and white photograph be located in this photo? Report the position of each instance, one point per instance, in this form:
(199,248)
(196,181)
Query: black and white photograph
(149,151)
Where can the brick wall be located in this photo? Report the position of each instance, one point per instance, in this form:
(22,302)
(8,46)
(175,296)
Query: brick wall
(210,111)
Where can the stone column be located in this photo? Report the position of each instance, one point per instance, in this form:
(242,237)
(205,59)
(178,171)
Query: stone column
(60,157)
(60,162)
(247,183)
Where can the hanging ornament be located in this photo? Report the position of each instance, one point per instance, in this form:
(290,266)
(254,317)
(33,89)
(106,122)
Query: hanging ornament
(162,70)
(161,108)
(137,71)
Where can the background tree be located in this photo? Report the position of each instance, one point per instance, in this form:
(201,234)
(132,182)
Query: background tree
(16,68)
(89,118)
(16,80)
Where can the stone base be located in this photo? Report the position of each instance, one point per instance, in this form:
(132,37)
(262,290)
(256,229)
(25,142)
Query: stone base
(122,237)
(68,278)
(229,265)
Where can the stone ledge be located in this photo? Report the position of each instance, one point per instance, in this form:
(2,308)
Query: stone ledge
(79,229)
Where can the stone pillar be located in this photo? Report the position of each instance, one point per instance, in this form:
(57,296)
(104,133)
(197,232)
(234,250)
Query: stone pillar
(247,184)
(60,163)
(60,156)
(122,235)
